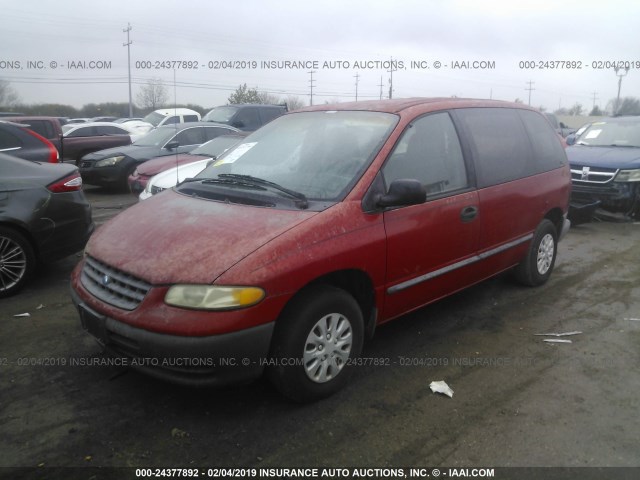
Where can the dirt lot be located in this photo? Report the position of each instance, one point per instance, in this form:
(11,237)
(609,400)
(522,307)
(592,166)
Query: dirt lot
(518,401)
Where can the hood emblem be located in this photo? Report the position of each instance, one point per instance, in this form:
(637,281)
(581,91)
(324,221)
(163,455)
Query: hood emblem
(585,173)
(106,280)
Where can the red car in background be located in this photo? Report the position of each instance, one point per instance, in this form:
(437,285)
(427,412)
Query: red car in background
(212,149)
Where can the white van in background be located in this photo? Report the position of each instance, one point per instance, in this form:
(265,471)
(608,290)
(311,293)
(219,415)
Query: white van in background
(169,116)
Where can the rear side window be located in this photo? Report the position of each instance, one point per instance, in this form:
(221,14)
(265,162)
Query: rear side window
(83,132)
(8,140)
(212,132)
(41,127)
(190,136)
(190,118)
(110,130)
(501,148)
(547,151)
(429,151)
(269,114)
(247,119)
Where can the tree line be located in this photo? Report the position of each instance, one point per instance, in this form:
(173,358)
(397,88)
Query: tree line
(150,97)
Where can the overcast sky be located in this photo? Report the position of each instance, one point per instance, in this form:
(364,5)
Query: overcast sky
(56,36)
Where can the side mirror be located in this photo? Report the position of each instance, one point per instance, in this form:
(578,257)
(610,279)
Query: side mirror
(403,192)
(172,145)
(571,139)
(562,125)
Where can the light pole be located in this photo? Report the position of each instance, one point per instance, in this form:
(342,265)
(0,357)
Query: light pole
(128,45)
(620,75)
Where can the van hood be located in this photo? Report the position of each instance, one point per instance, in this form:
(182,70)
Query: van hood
(172,238)
(609,157)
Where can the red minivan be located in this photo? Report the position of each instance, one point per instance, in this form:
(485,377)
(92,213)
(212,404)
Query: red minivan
(288,251)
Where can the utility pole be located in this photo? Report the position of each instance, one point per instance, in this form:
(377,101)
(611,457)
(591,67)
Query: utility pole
(128,45)
(357,77)
(594,100)
(381,85)
(391,70)
(530,89)
(620,75)
(311,86)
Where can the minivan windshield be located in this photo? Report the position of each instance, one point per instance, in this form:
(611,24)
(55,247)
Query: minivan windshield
(621,132)
(319,155)
(220,114)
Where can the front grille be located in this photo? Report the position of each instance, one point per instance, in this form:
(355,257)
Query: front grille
(113,286)
(592,174)
(155,189)
(86,164)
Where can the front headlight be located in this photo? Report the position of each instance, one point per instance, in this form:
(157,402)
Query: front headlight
(628,176)
(209,297)
(109,162)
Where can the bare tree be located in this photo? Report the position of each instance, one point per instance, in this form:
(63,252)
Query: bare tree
(8,96)
(627,106)
(268,98)
(152,95)
(294,103)
(577,109)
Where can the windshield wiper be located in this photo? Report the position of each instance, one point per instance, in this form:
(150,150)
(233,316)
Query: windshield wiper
(301,202)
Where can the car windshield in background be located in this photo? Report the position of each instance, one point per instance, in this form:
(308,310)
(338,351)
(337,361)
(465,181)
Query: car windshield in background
(621,132)
(216,146)
(155,137)
(153,118)
(318,155)
(220,114)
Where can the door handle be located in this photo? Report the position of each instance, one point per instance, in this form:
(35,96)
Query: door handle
(469,213)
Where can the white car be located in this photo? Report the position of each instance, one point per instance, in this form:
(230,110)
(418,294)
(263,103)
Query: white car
(169,116)
(171,177)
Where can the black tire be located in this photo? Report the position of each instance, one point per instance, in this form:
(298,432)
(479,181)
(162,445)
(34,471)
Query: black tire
(17,261)
(536,267)
(306,368)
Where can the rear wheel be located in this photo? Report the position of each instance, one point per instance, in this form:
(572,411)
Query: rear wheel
(536,267)
(316,338)
(17,260)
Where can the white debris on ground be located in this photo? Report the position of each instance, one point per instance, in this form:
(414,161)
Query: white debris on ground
(441,387)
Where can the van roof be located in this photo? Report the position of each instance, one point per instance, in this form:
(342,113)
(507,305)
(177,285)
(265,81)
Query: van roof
(400,104)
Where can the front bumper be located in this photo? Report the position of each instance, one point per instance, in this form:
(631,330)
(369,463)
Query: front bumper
(623,197)
(102,176)
(216,360)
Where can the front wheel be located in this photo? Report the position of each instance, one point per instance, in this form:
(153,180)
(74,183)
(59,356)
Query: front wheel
(315,340)
(536,267)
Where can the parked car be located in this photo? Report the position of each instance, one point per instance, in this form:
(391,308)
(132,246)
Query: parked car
(19,140)
(213,148)
(44,216)
(170,116)
(605,165)
(77,120)
(83,138)
(171,177)
(112,167)
(246,117)
(103,119)
(559,126)
(289,250)
(47,127)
